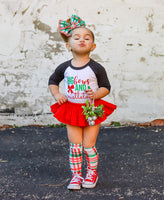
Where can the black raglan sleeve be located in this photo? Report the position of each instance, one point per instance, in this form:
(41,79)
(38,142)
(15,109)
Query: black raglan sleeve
(101,75)
(58,75)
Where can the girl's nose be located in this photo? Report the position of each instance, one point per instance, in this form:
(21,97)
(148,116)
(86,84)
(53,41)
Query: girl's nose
(81,39)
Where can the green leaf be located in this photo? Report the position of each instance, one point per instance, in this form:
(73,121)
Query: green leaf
(90,110)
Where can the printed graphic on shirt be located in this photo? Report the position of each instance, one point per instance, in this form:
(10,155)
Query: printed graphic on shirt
(77,82)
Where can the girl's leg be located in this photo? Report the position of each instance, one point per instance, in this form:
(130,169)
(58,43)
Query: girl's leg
(75,134)
(90,134)
(75,156)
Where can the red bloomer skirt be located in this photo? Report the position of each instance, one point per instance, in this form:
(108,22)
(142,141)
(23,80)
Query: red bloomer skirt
(72,113)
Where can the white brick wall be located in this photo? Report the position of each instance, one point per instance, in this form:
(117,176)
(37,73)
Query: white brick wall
(129,37)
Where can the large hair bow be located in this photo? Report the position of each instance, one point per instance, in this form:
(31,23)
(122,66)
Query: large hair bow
(66,27)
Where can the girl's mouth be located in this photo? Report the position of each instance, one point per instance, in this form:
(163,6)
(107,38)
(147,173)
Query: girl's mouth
(82,44)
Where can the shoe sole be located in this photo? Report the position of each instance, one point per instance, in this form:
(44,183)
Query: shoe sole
(73,187)
(88,185)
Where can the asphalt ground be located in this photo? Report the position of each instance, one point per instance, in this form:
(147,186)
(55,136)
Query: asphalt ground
(34,164)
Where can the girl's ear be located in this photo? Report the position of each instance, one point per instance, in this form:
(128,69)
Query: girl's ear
(68,46)
(93,47)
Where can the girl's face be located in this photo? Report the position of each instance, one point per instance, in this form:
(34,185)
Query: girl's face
(81,41)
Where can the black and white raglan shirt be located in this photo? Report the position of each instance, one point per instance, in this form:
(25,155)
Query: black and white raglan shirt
(78,79)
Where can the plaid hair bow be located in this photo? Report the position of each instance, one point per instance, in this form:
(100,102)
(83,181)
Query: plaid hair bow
(66,27)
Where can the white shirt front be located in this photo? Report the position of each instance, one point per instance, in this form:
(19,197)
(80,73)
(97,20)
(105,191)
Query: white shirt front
(77,81)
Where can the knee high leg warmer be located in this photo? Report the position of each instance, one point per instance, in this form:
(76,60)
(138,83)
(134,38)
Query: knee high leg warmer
(92,157)
(75,157)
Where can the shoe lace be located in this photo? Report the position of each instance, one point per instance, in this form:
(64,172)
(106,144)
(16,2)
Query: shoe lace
(90,174)
(76,177)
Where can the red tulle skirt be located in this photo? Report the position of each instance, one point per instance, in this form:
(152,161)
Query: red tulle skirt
(72,113)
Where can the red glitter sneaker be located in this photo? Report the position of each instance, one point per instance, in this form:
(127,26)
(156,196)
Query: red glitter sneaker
(91,179)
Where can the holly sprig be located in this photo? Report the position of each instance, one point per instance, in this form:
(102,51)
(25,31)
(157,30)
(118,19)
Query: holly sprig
(92,111)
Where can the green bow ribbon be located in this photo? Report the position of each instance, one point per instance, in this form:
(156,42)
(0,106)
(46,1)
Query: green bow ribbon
(66,28)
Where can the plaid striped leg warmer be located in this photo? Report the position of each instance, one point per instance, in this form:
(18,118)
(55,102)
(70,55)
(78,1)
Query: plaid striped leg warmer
(92,157)
(75,157)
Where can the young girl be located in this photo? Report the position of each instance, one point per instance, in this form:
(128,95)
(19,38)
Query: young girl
(84,79)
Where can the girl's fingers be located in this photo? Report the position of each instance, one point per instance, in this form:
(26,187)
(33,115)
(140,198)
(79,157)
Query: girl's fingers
(90,96)
(62,100)
(89,90)
(90,93)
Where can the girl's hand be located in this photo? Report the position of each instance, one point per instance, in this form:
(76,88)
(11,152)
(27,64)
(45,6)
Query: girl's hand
(60,98)
(98,94)
(90,93)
